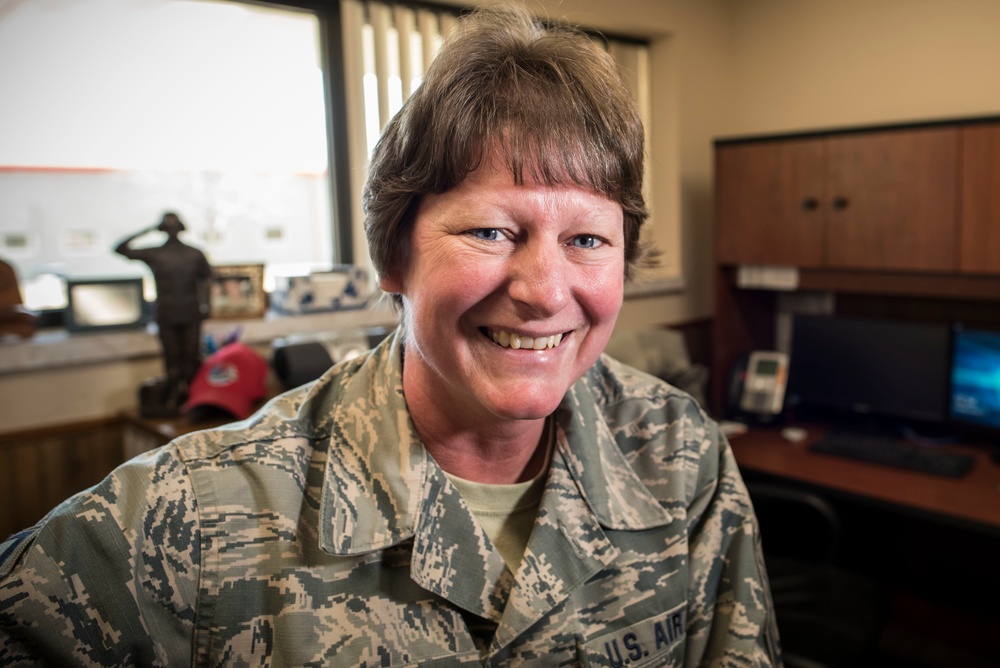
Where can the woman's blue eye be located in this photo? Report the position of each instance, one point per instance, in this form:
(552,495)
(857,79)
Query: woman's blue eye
(586,241)
(486,233)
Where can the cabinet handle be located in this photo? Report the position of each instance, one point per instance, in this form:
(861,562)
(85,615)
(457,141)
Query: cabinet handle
(810,204)
(840,203)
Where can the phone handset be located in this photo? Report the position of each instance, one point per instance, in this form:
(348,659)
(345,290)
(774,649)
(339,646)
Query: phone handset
(766,377)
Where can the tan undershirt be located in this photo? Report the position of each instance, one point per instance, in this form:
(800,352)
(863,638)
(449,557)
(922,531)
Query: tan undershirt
(507,512)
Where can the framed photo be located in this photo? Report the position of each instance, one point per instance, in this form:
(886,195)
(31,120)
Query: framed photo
(102,304)
(238,291)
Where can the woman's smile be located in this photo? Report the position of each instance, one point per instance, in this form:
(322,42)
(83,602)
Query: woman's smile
(507,339)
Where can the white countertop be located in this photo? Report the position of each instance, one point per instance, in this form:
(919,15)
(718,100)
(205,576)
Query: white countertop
(55,348)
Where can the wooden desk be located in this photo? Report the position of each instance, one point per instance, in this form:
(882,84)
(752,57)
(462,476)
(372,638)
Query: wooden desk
(974,498)
(931,541)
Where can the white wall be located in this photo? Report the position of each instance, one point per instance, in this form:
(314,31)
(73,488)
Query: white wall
(832,63)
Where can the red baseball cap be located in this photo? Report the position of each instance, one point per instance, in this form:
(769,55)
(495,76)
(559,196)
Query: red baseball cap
(232,378)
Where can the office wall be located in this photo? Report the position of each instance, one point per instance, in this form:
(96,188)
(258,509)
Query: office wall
(831,63)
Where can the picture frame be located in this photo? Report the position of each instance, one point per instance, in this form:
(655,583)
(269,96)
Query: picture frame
(102,304)
(237,291)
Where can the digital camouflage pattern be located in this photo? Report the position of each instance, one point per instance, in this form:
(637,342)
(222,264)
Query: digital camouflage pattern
(320,533)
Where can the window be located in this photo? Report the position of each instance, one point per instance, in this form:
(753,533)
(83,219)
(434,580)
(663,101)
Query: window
(116,111)
(387,48)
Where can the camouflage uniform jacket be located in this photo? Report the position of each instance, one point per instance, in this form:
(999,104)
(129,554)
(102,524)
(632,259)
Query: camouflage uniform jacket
(319,532)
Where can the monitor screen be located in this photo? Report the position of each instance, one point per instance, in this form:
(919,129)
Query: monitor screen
(878,367)
(104,304)
(975,377)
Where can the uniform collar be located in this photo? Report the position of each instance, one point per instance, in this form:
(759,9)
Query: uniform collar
(382,488)
(593,457)
(376,470)
(379,475)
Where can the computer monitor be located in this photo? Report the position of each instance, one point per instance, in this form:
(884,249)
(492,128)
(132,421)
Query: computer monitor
(870,366)
(102,304)
(975,378)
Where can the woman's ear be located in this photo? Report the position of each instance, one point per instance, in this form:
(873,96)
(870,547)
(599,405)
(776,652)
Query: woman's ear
(391,282)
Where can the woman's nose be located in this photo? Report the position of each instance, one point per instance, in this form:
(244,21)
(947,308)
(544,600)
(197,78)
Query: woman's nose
(540,279)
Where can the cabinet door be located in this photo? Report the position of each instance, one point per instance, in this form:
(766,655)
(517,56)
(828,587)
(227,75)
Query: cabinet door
(769,198)
(893,200)
(979,250)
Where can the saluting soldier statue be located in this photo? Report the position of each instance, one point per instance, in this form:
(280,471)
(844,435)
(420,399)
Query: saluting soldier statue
(182,274)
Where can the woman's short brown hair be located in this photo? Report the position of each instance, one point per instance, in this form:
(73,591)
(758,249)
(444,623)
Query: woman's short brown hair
(549,99)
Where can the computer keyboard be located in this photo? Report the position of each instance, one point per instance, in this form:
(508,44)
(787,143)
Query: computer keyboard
(891,451)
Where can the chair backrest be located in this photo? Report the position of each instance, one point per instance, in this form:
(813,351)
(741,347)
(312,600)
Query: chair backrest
(662,353)
(796,523)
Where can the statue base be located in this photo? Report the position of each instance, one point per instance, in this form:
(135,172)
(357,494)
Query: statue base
(157,401)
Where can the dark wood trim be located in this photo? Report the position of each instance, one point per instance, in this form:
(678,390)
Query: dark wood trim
(692,323)
(16,438)
(956,286)
(40,468)
(830,132)
(744,321)
(331,40)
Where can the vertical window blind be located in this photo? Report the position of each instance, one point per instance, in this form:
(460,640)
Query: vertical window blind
(387,49)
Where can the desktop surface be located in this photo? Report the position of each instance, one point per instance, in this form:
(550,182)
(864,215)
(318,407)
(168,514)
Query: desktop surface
(973,498)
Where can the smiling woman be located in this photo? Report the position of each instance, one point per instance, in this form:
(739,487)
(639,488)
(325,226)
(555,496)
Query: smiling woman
(524,279)
(483,488)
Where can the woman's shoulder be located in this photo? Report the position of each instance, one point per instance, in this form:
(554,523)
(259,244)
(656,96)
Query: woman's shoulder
(616,383)
(648,416)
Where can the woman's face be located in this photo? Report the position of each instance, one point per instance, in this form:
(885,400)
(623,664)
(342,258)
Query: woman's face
(509,296)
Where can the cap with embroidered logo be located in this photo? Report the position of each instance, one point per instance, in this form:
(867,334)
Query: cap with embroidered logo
(232,378)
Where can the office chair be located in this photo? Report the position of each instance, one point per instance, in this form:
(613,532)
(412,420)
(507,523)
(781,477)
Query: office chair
(827,617)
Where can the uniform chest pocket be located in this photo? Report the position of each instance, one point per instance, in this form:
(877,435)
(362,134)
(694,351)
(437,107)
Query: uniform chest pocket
(656,641)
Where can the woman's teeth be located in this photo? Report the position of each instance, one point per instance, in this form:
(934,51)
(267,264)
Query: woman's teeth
(508,340)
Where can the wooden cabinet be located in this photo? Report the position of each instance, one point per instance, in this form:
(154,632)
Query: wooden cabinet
(768,198)
(899,221)
(894,200)
(884,200)
(979,247)
(41,468)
